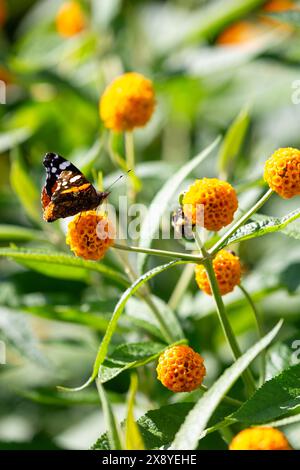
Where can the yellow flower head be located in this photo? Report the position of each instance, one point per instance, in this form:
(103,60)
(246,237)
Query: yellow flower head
(227,267)
(282,172)
(3,12)
(70,19)
(240,32)
(278,5)
(128,102)
(218,200)
(264,438)
(90,235)
(181,369)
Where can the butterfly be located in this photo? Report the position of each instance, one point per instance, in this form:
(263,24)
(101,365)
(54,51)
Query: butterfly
(67,191)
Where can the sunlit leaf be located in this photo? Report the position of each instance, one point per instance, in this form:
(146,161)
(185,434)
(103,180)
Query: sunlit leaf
(112,430)
(133,438)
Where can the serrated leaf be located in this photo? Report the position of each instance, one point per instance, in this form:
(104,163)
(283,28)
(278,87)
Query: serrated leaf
(162,201)
(262,227)
(129,356)
(133,438)
(276,398)
(233,142)
(15,233)
(101,355)
(53,264)
(193,428)
(24,188)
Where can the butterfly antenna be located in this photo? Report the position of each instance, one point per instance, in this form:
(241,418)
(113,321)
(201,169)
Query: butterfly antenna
(118,179)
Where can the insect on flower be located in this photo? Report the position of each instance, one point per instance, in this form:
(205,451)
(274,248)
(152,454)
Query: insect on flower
(67,191)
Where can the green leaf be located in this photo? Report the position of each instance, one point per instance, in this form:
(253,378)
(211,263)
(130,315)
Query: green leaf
(162,201)
(276,398)
(11,139)
(192,430)
(112,430)
(263,227)
(53,398)
(133,438)
(279,357)
(115,317)
(15,233)
(233,142)
(157,427)
(69,314)
(60,265)
(129,356)
(25,189)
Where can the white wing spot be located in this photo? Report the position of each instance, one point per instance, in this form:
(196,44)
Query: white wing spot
(64,165)
(53,169)
(75,178)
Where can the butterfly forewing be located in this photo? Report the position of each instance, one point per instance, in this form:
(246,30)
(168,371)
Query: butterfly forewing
(66,191)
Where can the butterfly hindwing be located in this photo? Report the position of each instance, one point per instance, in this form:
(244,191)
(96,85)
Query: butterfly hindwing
(66,191)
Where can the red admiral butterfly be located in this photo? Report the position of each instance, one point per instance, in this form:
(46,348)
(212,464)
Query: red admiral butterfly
(67,191)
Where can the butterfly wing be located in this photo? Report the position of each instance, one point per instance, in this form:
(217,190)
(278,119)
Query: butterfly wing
(66,191)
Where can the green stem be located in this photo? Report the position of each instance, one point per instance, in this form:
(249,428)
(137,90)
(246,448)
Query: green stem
(260,330)
(168,254)
(241,222)
(130,161)
(226,327)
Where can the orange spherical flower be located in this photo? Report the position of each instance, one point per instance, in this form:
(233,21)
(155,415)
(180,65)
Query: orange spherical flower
(181,369)
(282,172)
(90,235)
(212,200)
(279,5)
(228,270)
(70,19)
(128,102)
(260,438)
(238,33)
(3,12)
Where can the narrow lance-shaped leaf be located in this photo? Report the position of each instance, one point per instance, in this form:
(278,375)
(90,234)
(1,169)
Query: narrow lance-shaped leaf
(15,233)
(162,201)
(112,430)
(263,227)
(192,430)
(51,264)
(233,142)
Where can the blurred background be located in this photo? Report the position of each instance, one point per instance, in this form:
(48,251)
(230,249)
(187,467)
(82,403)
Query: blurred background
(213,64)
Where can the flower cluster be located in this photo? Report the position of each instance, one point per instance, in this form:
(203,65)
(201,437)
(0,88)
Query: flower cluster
(181,369)
(227,269)
(90,235)
(70,19)
(218,200)
(282,172)
(128,102)
(260,438)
